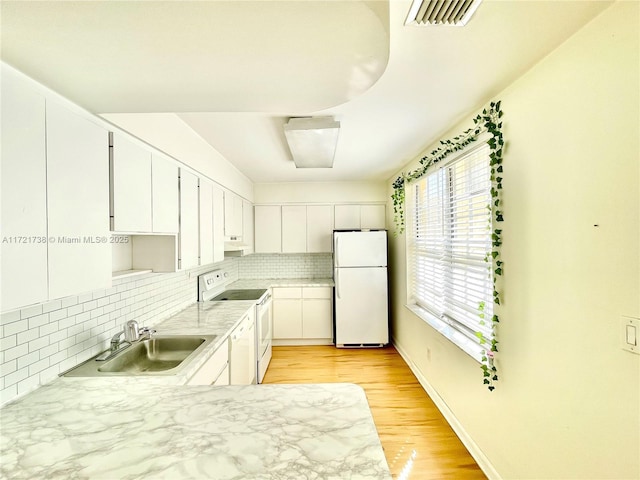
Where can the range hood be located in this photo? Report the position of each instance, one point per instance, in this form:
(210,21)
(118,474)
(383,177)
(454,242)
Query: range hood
(234,247)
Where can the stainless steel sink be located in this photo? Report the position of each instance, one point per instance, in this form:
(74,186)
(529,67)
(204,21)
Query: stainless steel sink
(159,355)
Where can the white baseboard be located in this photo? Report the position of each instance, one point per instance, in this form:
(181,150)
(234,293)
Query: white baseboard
(481,459)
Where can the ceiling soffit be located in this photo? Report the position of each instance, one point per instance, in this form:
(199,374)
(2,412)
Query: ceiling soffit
(200,56)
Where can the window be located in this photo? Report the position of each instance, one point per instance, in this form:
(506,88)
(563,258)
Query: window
(450,282)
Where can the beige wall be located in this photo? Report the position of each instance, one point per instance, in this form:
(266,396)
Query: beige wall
(568,401)
(320,192)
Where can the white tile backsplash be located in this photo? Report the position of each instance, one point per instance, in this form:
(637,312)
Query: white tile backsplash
(40,341)
(275,265)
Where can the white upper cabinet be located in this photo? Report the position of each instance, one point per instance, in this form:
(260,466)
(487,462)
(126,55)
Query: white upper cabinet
(188,244)
(24,202)
(373,217)
(165,201)
(144,189)
(359,216)
(268,229)
(232,215)
(206,222)
(248,233)
(218,224)
(319,228)
(347,216)
(77,203)
(294,228)
(130,166)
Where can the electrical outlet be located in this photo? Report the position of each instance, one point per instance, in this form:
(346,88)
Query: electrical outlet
(630,334)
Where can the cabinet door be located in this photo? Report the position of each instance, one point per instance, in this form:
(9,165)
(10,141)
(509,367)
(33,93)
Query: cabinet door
(248,226)
(24,189)
(223,379)
(77,202)
(294,229)
(165,196)
(218,224)
(268,231)
(317,318)
(243,352)
(214,368)
(347,217)
(188,244)
(372,216)
(287,318)
(206,222)
(319,228)
(130,166)
(232,215)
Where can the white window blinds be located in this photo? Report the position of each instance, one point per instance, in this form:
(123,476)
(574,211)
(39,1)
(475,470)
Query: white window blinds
(449,237)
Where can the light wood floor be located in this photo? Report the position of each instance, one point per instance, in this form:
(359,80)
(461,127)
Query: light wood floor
(417,441)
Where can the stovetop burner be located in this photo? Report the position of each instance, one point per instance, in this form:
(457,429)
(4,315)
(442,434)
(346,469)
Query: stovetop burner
(253,294)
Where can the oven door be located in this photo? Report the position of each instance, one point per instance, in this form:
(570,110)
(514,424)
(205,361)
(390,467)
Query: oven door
(265,325)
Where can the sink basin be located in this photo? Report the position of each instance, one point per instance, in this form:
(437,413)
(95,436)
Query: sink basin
(153,355)
(159,355)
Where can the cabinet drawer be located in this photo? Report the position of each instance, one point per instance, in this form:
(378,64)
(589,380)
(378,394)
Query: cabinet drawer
(316,292)
(287,292)
(211,370)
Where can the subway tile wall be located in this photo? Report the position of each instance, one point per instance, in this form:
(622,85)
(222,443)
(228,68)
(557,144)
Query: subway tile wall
(275,265)
(40,341)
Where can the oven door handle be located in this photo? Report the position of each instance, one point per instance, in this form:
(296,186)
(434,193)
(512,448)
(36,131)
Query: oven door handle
(266,300)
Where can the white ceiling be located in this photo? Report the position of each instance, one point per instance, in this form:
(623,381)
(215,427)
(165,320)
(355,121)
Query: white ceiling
(235,71)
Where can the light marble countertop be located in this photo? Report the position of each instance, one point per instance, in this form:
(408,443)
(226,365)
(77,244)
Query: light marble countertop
(116,429)
(157,427)
(281,282)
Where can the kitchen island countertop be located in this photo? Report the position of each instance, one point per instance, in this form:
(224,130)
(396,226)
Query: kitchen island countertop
(157,427)
(117,428)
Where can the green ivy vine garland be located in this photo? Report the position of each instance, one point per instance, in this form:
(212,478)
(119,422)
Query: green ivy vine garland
(487,121)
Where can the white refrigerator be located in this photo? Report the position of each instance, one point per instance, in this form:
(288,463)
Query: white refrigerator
(361,291)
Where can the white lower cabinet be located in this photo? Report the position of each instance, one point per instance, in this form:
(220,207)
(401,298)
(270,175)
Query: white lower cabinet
(302,316)
(317,313)
(242,356)
(287,313)
(216,370)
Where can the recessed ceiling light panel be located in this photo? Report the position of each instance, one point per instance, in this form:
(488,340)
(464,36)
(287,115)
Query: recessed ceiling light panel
(312,141)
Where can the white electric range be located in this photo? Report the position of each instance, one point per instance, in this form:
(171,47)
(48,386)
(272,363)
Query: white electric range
(212,287)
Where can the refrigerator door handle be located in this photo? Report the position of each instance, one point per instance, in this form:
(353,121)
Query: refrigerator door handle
(337,282)
(337,257)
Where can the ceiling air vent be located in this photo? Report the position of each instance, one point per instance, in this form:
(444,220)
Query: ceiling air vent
(441,12)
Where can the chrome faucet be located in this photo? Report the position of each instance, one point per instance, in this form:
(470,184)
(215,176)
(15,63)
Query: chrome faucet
(115,341)
(145,333)
(132,333)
